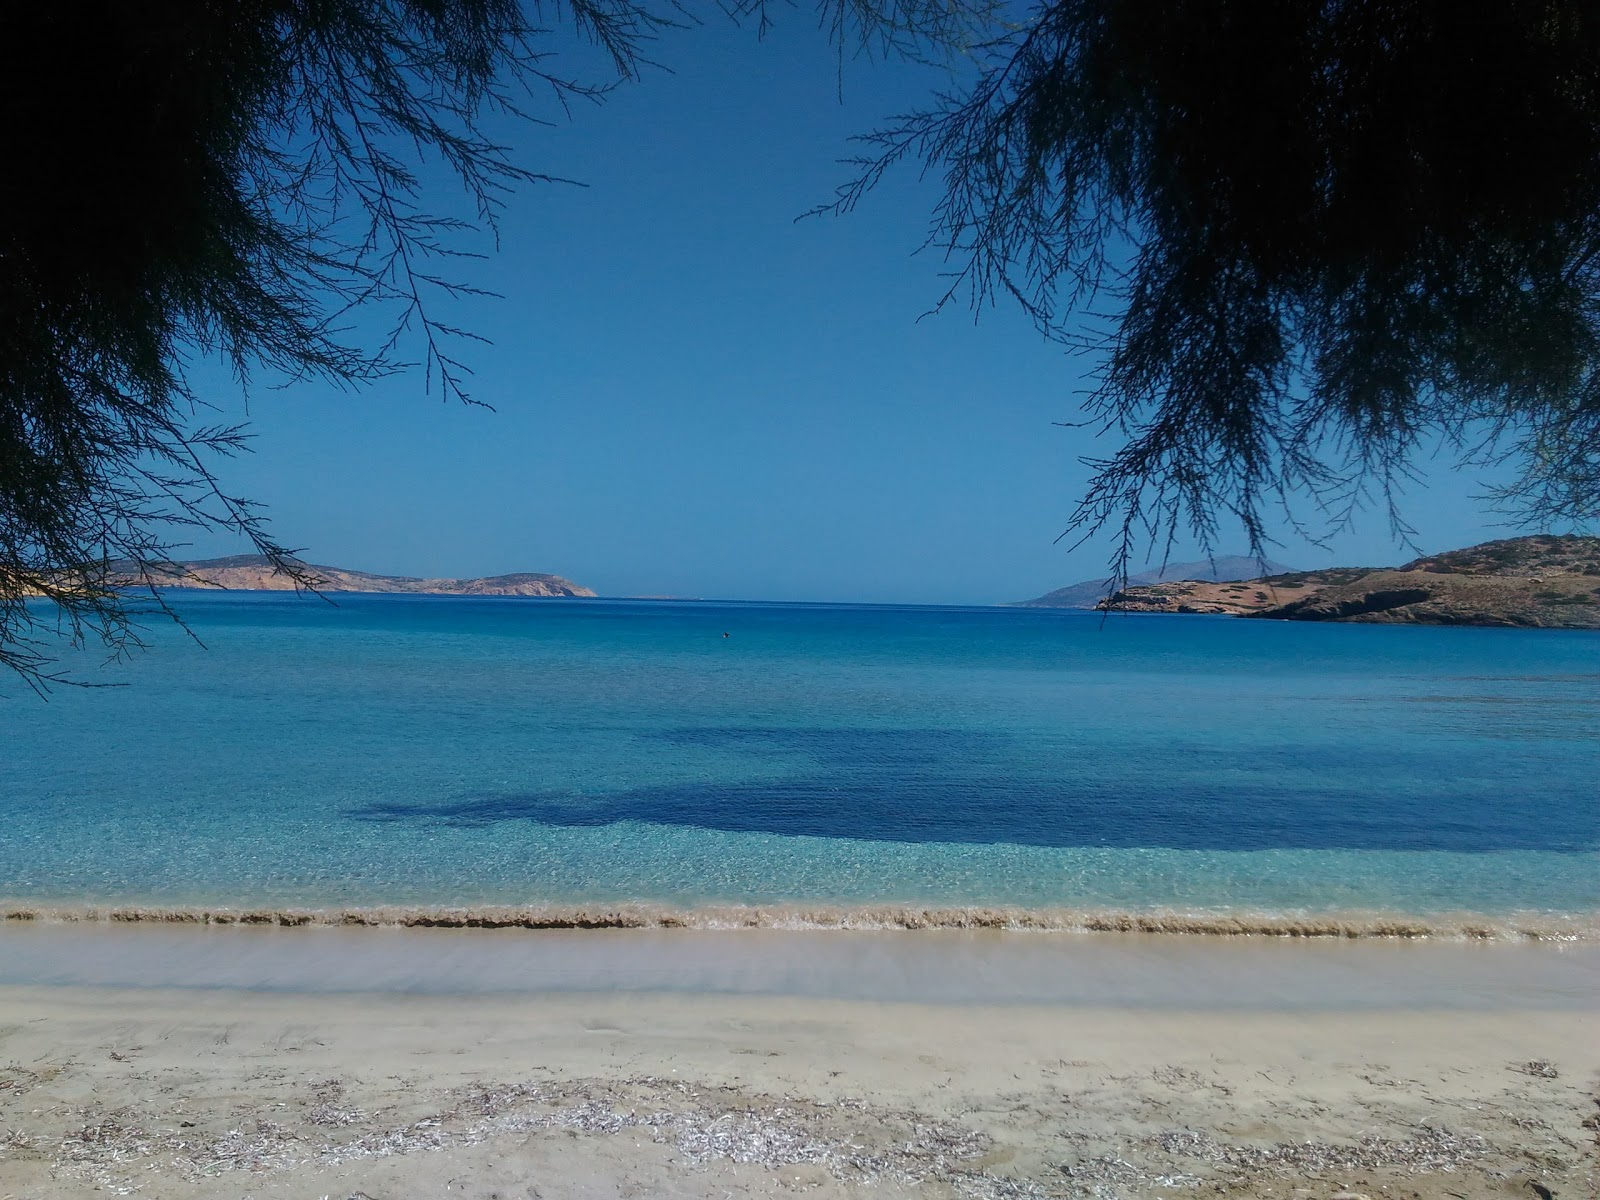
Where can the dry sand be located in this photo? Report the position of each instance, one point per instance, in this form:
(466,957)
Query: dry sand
(233,1093)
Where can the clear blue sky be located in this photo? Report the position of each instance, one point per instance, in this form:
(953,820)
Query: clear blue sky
(697,396)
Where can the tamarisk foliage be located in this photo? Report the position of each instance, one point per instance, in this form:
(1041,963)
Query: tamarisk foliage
(237,180)
(1299,240)
(223,178)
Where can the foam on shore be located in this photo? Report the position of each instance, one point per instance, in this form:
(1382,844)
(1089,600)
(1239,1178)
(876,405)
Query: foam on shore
(1516,927)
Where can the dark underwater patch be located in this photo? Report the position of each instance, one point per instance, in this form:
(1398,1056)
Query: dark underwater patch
(928,785)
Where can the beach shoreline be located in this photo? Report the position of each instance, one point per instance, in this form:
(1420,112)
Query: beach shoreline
(1431,1070)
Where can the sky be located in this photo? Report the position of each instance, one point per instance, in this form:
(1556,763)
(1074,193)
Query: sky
(696,395)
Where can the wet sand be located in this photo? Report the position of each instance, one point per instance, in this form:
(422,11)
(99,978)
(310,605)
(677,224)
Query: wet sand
(928,966)
(1043,1067)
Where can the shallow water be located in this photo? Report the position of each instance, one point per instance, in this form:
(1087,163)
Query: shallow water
(416,751)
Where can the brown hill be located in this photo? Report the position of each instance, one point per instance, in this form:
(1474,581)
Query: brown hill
(253,573)
(1546,581)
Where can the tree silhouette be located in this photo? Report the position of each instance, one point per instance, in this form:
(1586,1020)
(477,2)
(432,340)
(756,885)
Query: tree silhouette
(1300,240)
(237,179)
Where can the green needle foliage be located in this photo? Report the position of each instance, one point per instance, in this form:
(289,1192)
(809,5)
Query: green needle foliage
(238,179)
(1301,241)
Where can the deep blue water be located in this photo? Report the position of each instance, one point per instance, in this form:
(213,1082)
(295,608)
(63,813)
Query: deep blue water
(416,750)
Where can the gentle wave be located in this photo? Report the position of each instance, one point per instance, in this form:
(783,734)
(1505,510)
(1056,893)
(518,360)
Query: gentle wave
(1463,926)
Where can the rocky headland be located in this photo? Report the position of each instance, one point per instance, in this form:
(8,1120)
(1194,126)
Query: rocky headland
(1224,567)
(254,573)
(1543,581)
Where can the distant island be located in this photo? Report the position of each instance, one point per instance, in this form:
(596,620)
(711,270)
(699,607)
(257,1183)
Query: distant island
(1221,569)
(1542,581)
(255,573)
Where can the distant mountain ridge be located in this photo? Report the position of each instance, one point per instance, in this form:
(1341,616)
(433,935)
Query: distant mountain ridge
(1540,581)
(1222,568)
(255,573)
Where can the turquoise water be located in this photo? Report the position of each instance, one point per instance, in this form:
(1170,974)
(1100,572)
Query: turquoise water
(444,752)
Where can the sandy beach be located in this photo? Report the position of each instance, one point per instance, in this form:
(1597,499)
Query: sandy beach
(239,1092)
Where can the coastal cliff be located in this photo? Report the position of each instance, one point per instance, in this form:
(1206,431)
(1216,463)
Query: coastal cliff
(254,573)
(1542,581)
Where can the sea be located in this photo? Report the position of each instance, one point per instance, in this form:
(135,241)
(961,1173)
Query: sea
(417,760)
